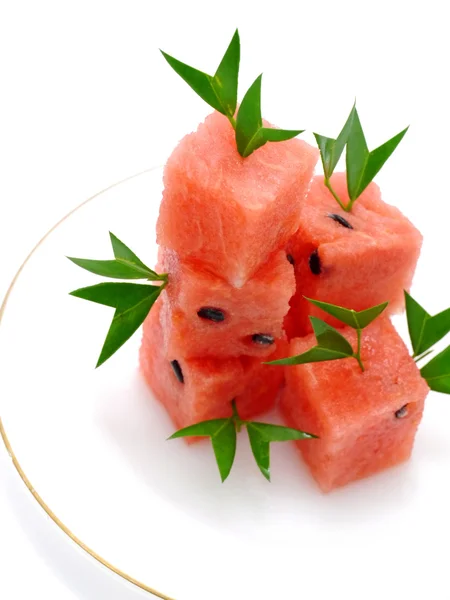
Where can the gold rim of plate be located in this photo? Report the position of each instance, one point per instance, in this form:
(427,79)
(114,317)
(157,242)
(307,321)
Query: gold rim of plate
(7,443)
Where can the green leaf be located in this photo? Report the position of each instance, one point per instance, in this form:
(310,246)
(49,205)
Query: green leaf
(356,319)
(223,438)
(378,157)
(416,317)
(200,82)
(357,156)
(132,303)
(331,346)
(260,436)
(225,81)
(261,451)
(425,330)
(437,372)
(125,256)
(109,268)
(329,338)
(125,266)
(250,133)
(219,91)
(315,354)
(362,165)
(331,149)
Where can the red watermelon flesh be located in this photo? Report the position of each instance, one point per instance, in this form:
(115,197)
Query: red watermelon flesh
(253,315)
(366,421)
(227,212)
(209,384)
(360,267)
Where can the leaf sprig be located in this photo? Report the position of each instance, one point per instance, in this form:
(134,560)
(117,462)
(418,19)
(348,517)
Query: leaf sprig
(425,331)
(331,345)
(223,435)
(362,165)
(220,91)
(132,301)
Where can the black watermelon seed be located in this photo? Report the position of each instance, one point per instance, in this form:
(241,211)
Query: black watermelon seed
(177,370)
(401,412)
(314,263)
(340,220)
(264,339)
(290,259)
(212,314)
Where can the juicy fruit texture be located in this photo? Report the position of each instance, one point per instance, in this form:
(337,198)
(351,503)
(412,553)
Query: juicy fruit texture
(203,315)
(358,267)
(354,413)
(208,385)
(228,212)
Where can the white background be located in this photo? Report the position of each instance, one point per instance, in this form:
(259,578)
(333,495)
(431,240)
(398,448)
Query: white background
(86,99)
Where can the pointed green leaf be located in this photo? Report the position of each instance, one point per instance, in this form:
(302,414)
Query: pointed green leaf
(437,372)
(356,319)
(260,436)
(416,317)
(127,319)
(117,295)
(132,303)
(110,268)
(377,158)
(223,438)
(249,120)
(342,139)
(200,82)
(202,429)
(329,338)
(425,330)
(250,134)
(271,134)
(278,433)
(436,328)
(357,156)
(362,165)
(225,81)
(125,256)
(219,91)
(366,317)
(331,149)
(261,451)
(125,266)
(224,446)
(326,147)
(315,354)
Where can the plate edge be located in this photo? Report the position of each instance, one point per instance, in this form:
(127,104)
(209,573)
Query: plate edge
(4,436)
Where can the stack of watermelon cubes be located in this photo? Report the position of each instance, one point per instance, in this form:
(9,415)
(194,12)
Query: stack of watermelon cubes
(244,240)
(223,228)
(366,421)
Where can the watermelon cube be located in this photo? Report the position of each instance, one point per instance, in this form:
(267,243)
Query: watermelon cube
(204,315)
(227,212)
(356,259)
(194,390)
(366,421)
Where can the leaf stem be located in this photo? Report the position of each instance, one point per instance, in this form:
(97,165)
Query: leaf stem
(336,197)
(236,418)
(232,121)
(358,350)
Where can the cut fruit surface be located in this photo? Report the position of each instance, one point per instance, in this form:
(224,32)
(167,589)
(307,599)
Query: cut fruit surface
(194,390)
(356,260)
(367,420)
(203,315)
(227,212)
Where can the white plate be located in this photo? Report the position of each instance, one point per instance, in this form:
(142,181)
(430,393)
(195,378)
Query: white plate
(91,446)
